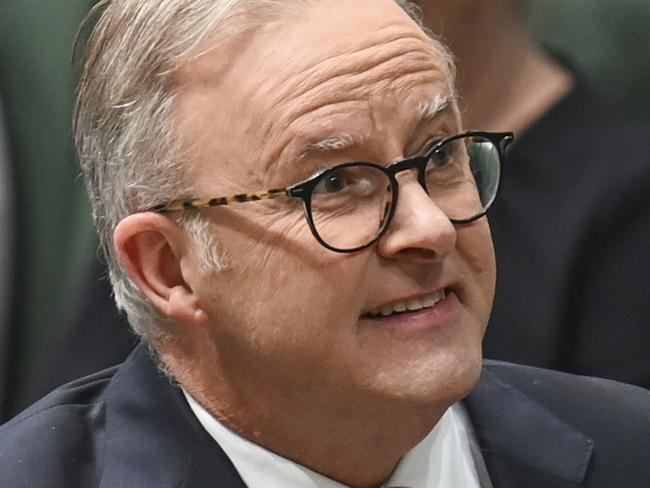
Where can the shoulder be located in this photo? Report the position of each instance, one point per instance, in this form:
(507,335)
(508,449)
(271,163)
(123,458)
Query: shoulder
(58,440)
(613,418)
(593,402)
(551,386)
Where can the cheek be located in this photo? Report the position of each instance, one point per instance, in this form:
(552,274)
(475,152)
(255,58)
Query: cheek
(280,279)
(475,247)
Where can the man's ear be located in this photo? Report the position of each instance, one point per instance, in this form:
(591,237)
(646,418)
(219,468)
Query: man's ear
(151,246)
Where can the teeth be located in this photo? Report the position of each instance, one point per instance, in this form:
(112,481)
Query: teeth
(414,304)
(386,310)
(430,301)
(411,305)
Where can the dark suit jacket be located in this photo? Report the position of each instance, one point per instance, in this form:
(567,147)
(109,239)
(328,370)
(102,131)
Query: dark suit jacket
(131,427)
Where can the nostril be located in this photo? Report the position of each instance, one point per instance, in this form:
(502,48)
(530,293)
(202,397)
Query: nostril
(419,253)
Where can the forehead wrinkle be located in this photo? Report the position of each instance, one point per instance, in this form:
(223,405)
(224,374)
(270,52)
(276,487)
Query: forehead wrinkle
(280,145)
(336,95)
(291,143)
(349,76)
(356,69)
(380,47)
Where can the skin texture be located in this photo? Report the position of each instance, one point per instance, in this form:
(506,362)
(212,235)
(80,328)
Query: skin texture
(277,345)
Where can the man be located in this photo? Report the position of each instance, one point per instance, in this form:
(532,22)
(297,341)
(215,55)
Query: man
(575,202)
(571,293)
(321,320)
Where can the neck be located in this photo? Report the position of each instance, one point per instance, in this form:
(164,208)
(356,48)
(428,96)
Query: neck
(505,81)
(358,443)
(360,451)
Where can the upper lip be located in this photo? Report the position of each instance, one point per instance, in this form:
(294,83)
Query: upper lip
(436,293)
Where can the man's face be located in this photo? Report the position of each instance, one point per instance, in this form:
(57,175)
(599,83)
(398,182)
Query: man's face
(290,319)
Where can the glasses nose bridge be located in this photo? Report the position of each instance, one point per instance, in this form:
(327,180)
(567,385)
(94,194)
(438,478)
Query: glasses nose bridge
(417,163)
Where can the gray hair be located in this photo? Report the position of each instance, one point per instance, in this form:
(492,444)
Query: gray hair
(123,123)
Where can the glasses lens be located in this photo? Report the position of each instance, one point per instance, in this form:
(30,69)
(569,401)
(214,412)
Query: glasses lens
(462,176)
(349,205)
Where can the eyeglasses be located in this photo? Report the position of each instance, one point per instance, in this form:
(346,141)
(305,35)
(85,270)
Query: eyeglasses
(349,206)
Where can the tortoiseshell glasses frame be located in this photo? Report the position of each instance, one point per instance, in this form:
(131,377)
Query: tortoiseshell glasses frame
(305,189)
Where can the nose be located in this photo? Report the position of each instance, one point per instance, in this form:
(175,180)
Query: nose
(420,230)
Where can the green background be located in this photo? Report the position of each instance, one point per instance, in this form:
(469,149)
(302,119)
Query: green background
(608,40)
(54,240)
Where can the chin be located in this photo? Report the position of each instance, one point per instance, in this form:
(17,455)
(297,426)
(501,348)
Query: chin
(456,384)
(434,382)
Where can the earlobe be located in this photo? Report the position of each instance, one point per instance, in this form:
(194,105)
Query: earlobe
(150,247)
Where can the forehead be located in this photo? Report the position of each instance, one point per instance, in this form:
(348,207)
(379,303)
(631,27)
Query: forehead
(327,67)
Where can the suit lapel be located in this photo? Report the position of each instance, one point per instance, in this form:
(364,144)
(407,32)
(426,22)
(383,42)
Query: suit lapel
(152,437)
(523,443)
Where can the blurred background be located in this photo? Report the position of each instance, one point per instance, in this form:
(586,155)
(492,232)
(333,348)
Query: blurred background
(47,246)
(609,41)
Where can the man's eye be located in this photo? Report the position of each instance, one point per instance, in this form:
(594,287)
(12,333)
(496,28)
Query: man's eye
(332,183)
(440,157)
(352,182)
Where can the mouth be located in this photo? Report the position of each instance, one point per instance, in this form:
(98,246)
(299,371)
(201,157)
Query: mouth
(408,305)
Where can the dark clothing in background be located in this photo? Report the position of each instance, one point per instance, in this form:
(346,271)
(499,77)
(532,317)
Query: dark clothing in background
(132,427)
(571,228)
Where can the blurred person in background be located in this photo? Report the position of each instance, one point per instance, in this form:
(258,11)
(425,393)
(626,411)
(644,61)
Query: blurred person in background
(572,225)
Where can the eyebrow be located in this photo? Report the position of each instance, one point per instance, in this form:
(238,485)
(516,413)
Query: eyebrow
(338,142)
(430,109)
(426,111)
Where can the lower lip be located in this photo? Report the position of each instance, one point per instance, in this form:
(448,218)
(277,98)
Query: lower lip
(439,316)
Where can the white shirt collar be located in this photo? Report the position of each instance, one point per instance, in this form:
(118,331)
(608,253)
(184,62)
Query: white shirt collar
(442,459)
